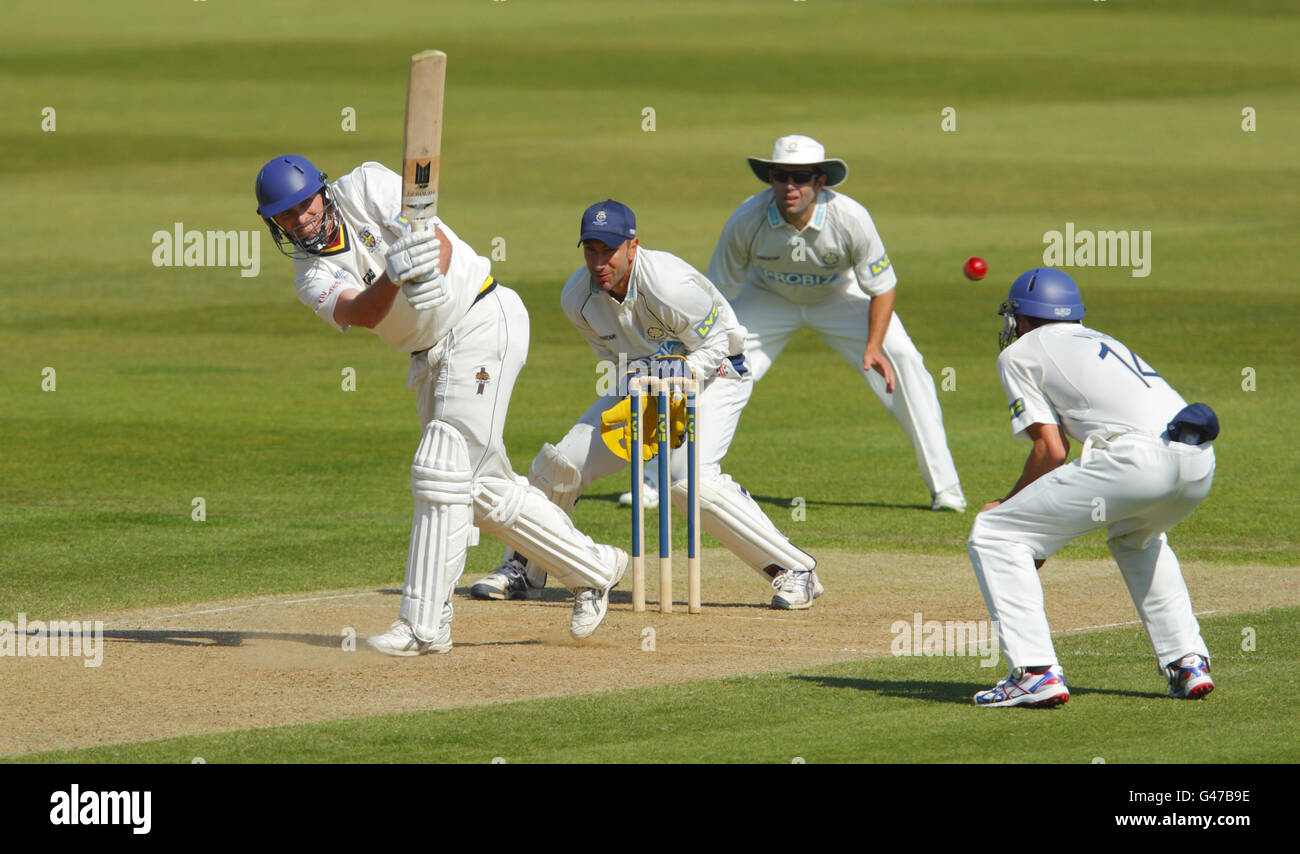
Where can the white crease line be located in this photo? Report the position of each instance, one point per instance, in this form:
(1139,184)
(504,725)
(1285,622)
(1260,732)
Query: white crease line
(265,604)
(1120,625)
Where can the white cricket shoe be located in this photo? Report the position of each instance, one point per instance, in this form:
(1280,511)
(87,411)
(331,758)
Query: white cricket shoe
(590,604)
(797,588)
(400,640)
(649,497)
(1022,688)
(513,579)
(1189,678)
(950,499)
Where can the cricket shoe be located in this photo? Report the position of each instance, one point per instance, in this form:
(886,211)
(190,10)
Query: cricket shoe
(796,589)
(590,604)
(949,499)
(1189,678)
(649,497)
(1031,690)
(513,579)
(400,640)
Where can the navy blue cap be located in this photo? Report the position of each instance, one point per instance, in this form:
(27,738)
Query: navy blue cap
(1194,425)
(610,222)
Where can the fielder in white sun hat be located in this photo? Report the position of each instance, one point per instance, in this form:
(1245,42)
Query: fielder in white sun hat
(796,150)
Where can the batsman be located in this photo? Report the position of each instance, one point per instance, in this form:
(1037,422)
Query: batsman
(656,314)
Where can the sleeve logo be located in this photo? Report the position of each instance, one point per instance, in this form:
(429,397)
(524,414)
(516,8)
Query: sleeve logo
(703,329)
(1017,407)
(880,265)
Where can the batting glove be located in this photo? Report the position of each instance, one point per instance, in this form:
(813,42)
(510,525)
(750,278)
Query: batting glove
(427,292)
(415,255)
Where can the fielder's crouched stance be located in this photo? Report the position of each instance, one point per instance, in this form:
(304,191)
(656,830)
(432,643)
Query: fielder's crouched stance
(468,339)
(1146,464)
(654,308)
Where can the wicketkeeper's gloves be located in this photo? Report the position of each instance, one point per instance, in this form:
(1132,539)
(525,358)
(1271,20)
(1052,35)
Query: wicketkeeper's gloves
(615,430)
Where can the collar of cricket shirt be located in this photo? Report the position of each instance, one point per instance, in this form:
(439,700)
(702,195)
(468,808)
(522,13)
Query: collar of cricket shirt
(775,220)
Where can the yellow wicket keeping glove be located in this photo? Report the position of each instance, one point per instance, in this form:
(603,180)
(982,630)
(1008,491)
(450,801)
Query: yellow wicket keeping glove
(616,433)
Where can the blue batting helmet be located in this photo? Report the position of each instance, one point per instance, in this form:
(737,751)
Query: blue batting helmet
(289,180)
(1043,292)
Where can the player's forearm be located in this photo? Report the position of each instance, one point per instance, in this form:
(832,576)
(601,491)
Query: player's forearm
(1049,452)
(878,317)
(369,307)
(1036,466)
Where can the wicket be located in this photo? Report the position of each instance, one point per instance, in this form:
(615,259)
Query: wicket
(662,388)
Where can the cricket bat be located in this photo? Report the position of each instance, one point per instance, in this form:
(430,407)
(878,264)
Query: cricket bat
(422,145)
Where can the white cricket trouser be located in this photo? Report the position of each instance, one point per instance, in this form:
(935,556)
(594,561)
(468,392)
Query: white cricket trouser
(1136,486)
(842,321)
(465,381)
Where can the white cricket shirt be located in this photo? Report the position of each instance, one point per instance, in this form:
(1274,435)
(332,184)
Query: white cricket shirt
(369,199)
(1085,381)
(670,309)
(839,249)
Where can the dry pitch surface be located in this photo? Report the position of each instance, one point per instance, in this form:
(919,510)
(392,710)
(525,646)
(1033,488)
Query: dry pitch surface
(249,663)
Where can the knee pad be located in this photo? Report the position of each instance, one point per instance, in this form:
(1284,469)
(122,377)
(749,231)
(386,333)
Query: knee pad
(557,477)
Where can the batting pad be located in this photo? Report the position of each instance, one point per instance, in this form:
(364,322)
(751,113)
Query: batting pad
(441,529)
(522,518)
(731,516)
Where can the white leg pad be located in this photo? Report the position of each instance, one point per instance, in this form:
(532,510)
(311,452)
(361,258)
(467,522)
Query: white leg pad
(441,529)
(733,518)
(522,518)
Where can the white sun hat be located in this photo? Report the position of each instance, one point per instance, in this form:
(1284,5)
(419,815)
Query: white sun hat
(796,150)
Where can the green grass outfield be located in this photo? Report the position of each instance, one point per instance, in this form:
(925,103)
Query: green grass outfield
(178,383)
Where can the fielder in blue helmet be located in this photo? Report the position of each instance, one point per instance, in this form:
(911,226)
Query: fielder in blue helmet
(1042,295)
(294,202)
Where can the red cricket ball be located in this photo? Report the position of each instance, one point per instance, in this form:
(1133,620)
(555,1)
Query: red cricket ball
(975,269)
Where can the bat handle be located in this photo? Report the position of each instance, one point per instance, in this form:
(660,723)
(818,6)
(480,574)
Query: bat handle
(418,210)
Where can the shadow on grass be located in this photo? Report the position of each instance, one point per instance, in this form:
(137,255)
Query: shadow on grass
(933,692)
(620,595)
(624,597)
(784,502)
(209,637)
(549,594)
(949,692)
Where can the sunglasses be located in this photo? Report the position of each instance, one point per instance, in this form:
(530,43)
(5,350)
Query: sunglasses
(803,176)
